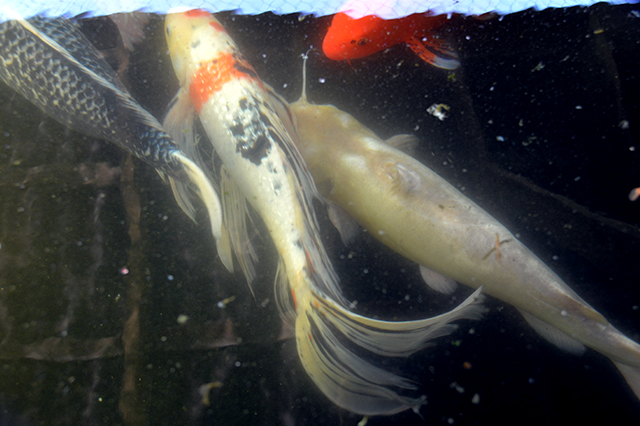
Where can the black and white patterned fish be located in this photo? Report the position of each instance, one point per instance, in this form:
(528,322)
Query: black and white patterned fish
(53,65)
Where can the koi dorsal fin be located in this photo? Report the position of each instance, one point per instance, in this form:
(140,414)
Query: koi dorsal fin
(305,56)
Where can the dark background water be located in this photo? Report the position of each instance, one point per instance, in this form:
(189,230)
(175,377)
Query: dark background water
(534,136)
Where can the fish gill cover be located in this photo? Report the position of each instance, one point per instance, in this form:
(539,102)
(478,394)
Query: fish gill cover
(387,9)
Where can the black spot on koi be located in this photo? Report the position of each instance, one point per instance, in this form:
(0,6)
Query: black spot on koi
(257,151)
(237,129)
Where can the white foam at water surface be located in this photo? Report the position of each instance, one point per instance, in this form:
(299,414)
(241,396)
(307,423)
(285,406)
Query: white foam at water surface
(387,9)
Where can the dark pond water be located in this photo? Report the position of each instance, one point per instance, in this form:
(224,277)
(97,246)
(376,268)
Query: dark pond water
(100,326)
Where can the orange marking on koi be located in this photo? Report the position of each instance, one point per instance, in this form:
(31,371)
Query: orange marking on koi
(216,25)
(212,76)
(197,13)
(309,262)
(496,248)
(295,300)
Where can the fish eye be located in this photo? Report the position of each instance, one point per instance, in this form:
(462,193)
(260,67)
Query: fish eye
(363,41)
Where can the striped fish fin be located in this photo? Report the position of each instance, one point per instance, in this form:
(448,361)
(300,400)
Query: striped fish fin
(324,332)
(236,212)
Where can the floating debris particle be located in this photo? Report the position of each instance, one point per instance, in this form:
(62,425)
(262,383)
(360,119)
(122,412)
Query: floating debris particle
(439,111)
(364,421)
(538,67)
(204,391)
(224,302)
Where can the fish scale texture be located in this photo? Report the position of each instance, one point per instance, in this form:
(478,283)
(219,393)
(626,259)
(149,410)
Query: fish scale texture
(387,9)
(70,92)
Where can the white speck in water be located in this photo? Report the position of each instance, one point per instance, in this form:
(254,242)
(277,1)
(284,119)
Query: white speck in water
(578,106)
(457,387)
(635,307)
(475,399)
(450,421)
(472,331)
(321,80)
(284,86)
(163,339)
(238,364)
(632,148)
(182,318)
(380,232)
(170,277)
(366,271)
(577,178)
(531,380)
(407,297)
(500,138)
(564,313)
(554,257)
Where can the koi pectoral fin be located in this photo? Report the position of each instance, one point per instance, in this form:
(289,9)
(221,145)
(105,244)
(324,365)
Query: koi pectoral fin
(438,282)
(344,223)
(435,51)
(631,375)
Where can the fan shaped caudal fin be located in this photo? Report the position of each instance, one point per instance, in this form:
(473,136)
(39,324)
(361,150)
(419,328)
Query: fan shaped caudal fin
(345,377)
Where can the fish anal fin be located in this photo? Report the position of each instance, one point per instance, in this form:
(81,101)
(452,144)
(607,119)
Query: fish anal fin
(344,223)
(438,282)
(554,336)
(404,143)
(435,51)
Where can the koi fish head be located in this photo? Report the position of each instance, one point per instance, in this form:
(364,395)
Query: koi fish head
(350,38)
(182,30)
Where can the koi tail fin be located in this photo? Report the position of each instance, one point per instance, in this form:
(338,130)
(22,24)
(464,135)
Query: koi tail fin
(179,124)
(323,330)
(435,51)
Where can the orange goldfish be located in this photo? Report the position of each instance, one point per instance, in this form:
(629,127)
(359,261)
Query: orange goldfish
(350,38)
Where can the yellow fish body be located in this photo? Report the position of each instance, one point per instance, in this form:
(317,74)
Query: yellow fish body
(415,212)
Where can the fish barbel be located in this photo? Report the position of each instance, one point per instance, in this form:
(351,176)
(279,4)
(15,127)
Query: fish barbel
(259,156)
(415,212)
(53,65)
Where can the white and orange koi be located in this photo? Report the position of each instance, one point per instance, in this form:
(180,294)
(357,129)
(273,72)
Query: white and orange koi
(262,160)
